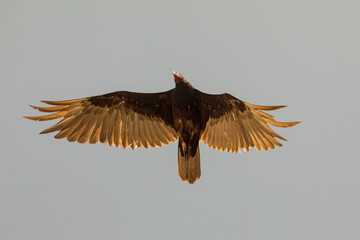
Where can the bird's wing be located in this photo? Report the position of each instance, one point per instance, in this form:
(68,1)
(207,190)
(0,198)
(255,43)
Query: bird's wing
(232,124)
(119,118)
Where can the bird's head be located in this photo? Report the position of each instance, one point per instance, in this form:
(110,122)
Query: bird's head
(178,77)
(180,80)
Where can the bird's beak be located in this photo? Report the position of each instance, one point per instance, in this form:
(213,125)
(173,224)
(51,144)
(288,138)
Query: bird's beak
(178,77)
(176,74)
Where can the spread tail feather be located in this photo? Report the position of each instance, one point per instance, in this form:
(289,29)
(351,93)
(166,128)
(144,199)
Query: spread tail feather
(189,166)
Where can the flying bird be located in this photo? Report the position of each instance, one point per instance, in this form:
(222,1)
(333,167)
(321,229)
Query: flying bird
(182,114)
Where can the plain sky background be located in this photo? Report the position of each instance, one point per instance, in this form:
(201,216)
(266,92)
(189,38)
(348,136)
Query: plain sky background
(305,54)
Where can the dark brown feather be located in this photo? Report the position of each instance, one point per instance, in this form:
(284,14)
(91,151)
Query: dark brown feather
(229,120)
(148,120)
(114,119)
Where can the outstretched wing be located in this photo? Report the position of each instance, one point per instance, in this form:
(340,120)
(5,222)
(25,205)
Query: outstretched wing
(119,118)
(232,124)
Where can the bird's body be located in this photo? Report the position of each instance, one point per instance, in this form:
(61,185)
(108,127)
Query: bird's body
(188,124)
(152,119)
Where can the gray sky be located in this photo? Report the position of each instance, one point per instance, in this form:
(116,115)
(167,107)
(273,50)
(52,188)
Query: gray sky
(305,54)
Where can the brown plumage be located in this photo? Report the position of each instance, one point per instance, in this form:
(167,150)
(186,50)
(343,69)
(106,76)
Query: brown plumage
(148,120)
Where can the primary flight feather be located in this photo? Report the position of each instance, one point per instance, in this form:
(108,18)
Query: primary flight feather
(148,120)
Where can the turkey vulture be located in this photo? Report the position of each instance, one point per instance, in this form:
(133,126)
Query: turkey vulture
(152,119)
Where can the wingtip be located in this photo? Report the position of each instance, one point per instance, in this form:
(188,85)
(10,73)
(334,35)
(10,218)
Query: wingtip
(278,107)
(48,102)
(267,108)
(281,124)
(291,124)
(34,107)
(31,118)
(44,131)
(56,103)
(63,102)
